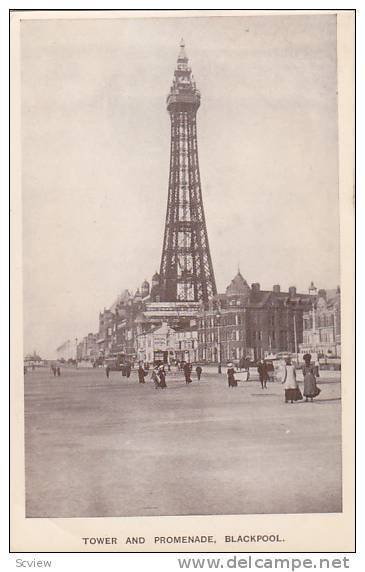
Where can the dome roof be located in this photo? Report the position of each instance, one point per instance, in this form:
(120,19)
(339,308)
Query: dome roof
(145,284)
(238,286)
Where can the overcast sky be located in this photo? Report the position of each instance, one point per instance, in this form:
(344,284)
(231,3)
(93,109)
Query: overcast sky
(95,157)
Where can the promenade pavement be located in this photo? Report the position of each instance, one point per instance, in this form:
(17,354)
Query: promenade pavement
(99,447)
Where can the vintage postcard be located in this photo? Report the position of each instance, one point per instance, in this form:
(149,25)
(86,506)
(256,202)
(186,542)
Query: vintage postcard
(182,225)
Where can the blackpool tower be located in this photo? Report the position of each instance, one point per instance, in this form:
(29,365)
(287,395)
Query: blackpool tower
(186,271)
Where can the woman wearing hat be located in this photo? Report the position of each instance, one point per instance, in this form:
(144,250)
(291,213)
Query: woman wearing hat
(309,374)
(292,391)
(232,382)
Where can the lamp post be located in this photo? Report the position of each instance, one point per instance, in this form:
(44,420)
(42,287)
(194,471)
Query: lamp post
(295,337)
(76,340)
(218,317)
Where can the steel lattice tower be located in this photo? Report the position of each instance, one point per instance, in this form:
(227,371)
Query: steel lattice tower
(186,272)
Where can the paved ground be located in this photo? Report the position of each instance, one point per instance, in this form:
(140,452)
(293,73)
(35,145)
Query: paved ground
(117,448)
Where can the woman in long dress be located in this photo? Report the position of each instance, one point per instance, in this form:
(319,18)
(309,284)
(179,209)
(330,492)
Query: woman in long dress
(232,382)
(309,374)
(292,391)
(155,379)
(162,376)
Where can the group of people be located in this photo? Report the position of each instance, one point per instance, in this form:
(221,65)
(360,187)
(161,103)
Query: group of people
(158,375)
(265,373)
(292,391)
(310,388)
(125,368)
(188,368)
(291,387)
(56,370)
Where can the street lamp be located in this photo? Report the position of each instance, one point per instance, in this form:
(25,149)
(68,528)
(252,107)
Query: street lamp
(218,317)
(76,340)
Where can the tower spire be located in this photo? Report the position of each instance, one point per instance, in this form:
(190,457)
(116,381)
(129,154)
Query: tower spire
(182,53)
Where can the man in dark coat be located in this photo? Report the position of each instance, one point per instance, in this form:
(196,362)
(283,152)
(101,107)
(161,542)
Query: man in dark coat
(263,374)
(187,372)
(141,373)
(198,370)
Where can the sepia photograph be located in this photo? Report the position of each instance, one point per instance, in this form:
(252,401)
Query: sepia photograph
(181,264)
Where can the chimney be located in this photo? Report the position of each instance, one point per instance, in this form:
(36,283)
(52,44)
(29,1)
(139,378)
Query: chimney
(255,287)
(292,291)
(276,288)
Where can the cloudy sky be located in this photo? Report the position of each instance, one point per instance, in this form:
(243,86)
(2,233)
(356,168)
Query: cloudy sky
(95,156)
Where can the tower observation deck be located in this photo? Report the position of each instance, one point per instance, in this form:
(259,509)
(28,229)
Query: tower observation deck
(186,271)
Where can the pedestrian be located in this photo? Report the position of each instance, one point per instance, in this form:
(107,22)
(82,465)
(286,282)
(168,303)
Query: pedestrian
(187,372)
(198,370)
(162,376)
(107,371)
(58,371)
(232,382)
(128,369)
(263,374)
(141,373)
(219,367)
(309,374)
(270,371)
(124,369)
(155,378)
(292,391)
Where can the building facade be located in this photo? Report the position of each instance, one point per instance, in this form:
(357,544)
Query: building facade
(247,322)
(322,325)
(157,345)
(88,349)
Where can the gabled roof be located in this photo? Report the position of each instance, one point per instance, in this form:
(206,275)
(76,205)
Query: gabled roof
(238,286)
